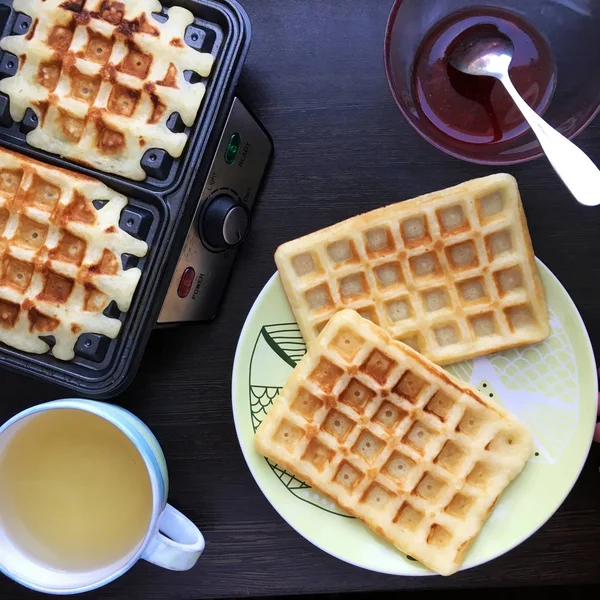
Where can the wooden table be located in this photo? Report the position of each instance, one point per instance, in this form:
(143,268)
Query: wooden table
(315,77)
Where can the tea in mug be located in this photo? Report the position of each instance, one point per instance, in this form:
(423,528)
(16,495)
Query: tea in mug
(75,493)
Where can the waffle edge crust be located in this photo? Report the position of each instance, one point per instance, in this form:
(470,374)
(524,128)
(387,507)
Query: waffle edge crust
(60,257)
(103,79)
(416,454)
(451,273)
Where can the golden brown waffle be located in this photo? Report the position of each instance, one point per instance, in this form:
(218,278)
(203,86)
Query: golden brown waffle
(451,273)
(396,441)
(60,257)
(103,78)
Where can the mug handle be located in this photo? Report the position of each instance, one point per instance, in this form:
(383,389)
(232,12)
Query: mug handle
(181,549)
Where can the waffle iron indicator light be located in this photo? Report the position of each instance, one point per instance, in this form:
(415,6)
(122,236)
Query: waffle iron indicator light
(233,147)
(186,282)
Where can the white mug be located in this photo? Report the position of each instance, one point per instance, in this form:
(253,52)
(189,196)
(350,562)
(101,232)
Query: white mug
(179,551)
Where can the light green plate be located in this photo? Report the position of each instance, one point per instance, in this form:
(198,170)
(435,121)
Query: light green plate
(551,386)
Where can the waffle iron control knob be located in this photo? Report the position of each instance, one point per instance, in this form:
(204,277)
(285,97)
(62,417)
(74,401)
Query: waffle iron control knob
(224,223)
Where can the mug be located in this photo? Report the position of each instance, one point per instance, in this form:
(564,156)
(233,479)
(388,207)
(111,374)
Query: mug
(179,551)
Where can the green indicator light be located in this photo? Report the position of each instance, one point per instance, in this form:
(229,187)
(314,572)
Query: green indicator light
(232,148)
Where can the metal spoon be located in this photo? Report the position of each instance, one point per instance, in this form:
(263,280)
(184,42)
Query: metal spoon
(482,52)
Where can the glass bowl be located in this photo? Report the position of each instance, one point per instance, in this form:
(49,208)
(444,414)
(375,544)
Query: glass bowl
(570,28)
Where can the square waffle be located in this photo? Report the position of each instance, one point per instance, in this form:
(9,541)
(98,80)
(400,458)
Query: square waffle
(103,79)
(451,273)
(60,257)
(396,441)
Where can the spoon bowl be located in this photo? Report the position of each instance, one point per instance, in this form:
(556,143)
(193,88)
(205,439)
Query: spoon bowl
(482,51)
(479,52)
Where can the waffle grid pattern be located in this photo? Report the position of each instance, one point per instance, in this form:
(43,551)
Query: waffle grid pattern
(451,273)
(416,454)
(60,257)
(103,79)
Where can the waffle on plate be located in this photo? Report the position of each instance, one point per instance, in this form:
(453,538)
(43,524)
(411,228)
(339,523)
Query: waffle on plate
(451,273)
(60,256)
(103,79)
(418,455)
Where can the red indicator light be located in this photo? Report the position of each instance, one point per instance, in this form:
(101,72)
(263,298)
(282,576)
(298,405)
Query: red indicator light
(186,282)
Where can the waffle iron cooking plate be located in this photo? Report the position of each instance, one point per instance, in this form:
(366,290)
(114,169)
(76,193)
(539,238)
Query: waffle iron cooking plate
(163,210)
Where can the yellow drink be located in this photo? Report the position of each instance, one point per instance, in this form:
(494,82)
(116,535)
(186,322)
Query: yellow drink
(74,491)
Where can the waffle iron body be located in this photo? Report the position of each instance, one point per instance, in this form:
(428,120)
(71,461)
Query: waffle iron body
(160,209)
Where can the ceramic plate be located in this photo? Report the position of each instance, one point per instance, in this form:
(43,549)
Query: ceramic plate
(551,386)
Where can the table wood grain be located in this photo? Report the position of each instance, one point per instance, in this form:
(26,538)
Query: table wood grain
(315,77)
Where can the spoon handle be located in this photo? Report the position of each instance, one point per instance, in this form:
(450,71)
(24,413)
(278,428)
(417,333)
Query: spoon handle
(573,166)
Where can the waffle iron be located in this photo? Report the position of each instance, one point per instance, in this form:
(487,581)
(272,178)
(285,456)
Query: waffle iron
(193,211)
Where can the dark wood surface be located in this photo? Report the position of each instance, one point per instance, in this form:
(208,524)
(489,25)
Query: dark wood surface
(315,77)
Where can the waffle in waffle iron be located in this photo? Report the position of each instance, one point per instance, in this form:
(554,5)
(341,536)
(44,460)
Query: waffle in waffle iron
(103,78)
(396,441)
(60,257)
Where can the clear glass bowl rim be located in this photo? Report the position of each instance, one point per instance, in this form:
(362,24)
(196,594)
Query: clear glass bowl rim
(500,161)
